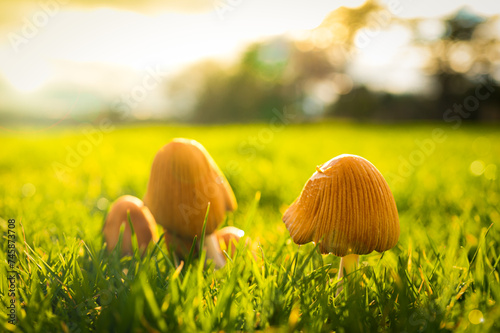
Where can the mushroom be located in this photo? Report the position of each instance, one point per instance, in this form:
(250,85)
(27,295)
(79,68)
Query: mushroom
(184,180)
(228,238)
(142,220)
(348,207)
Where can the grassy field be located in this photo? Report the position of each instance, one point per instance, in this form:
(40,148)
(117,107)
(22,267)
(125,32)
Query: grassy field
(442,275)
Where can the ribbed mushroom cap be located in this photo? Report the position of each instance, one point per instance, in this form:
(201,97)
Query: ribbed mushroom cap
(184,179)
(348,206)
(142,220)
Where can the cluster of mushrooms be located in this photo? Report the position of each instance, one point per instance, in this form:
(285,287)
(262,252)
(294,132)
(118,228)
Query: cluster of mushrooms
(346,206)
(184,181)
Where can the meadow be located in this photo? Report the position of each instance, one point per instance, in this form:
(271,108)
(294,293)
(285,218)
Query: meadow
(442,276)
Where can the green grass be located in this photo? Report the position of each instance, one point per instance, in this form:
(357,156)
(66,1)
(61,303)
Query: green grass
(444,266)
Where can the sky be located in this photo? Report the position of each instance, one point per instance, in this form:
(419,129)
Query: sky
(55,51)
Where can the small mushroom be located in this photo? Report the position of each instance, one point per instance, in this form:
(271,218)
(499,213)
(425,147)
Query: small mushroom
(184,179)
(348,207)
(228,238)
(142,220)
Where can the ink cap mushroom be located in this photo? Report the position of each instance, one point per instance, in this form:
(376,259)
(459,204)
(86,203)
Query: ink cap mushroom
(142,220)
(348,207)
(184,179)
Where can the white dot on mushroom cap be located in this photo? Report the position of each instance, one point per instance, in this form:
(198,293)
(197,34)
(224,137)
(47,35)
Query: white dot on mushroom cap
(102,203)
(28,190)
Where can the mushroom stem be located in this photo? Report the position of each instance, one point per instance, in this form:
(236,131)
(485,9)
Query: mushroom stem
(348,263)
(213,250)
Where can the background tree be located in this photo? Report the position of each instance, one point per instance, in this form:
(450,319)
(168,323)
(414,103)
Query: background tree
(309,73)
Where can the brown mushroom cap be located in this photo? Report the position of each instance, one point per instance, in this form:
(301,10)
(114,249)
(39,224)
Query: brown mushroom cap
(229,237)
(142,220)
(348,206)
(184,179)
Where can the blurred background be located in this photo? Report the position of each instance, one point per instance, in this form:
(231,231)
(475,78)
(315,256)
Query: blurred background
(235,61)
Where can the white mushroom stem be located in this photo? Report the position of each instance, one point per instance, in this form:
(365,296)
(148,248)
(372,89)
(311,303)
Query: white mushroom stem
(213,250)
(348,264)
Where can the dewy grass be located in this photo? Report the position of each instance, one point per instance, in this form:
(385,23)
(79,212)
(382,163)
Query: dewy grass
(442,275)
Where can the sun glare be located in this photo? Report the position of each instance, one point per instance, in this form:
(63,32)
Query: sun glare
(133,41)
(26,76)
